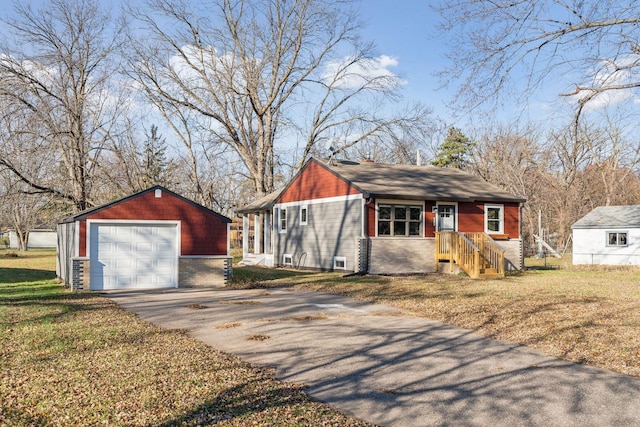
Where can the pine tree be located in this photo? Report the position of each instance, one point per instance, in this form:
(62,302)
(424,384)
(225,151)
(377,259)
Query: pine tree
(154,160)
(454,152)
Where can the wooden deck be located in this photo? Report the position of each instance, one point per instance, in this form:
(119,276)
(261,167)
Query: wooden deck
(477,254)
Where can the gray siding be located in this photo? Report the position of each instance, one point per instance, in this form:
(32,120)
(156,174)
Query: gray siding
(397,255)
(65,251)
(332,230)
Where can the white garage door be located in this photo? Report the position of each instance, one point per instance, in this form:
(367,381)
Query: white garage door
(127,256)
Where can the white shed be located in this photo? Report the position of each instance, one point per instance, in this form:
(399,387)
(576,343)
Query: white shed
(608,235)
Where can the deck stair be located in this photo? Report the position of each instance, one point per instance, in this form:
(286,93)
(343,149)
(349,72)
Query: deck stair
(477,254)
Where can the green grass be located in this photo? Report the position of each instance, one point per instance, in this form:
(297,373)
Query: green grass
(77,359)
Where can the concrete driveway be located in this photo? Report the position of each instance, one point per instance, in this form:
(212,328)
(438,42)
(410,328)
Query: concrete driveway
(381,366)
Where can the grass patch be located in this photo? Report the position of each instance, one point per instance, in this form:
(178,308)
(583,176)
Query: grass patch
(77,359)
(589,316)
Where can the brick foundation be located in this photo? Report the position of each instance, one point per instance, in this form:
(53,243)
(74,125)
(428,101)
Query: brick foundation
(80,274)
(204,272)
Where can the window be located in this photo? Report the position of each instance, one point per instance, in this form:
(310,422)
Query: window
(282,220)
(339,263)
(399,220)
(304,215)
(617,238)
(494,219)
(287,259)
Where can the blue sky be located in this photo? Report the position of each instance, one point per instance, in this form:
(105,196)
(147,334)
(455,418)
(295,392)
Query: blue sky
(403,30)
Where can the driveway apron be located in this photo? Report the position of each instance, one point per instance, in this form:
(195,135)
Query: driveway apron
(384,366)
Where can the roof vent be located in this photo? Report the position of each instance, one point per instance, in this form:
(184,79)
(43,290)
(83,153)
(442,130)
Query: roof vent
(158,193)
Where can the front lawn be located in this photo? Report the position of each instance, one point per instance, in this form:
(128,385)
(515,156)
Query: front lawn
(585,316)
(77,359)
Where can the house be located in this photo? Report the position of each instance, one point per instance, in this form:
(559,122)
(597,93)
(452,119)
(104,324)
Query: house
(39,238)
(151,239)
(608,235)
(386,219)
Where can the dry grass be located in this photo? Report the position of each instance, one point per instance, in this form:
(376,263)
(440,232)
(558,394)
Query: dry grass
(77,359)
(589,316)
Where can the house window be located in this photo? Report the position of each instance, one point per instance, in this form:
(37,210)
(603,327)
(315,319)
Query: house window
(287,260)
(399,220)
(304,215)
(339,263)
(494,219)
(282,220)
(617,238)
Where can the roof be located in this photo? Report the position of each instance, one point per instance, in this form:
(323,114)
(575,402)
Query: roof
(610,216)
(380,180)
(261,204)
(83,214)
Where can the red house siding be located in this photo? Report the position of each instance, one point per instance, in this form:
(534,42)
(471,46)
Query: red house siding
(201,232)
(512,220)
(316,182)
(429,228)
(470,219)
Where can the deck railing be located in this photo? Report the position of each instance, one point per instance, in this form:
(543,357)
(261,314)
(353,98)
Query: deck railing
(476,253)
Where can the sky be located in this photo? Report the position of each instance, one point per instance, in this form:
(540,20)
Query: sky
(403,32)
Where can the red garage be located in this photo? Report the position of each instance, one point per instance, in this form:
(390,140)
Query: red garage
(149,240)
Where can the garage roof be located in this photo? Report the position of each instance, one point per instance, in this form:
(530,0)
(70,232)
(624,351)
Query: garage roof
(610,217)
(83,215)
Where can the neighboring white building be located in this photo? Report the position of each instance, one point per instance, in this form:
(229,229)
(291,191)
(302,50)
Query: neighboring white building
(608,235)
(38,238)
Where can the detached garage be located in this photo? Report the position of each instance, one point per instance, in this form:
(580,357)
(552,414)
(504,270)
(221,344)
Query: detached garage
(608,235)
(150,240)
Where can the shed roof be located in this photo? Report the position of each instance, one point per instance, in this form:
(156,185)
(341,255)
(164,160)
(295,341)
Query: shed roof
(83,214)
(610,216)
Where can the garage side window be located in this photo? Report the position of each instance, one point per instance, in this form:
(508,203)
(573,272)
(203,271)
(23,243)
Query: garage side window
(617,238)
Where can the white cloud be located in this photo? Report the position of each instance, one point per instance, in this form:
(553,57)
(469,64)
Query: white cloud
(619,72)
(374,73)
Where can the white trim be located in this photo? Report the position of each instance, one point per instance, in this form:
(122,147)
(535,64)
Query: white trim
(286,220)
(337,259)
(317,201)
(304,208)
(455,213)
(177,224)
(488,206)
(76,244)
(397,202)
(284,257)
(228,239)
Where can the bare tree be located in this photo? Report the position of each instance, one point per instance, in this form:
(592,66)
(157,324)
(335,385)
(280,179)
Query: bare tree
(594,45)
(56,71)
(261,75)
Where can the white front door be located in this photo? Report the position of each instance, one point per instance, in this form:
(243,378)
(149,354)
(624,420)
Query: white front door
(133,256)
(446,217)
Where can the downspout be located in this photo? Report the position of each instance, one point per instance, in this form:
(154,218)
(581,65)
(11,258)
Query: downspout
(520,206)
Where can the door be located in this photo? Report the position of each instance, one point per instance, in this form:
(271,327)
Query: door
(133,256)
(446,218)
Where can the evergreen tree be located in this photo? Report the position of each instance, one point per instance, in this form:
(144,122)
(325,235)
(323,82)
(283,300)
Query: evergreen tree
(155,167)
(454,152)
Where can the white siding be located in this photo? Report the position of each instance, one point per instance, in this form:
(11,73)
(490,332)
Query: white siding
(590,247)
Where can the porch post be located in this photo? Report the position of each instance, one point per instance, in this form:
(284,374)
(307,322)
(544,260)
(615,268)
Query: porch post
(267,232)
(257,233)
(245,236)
